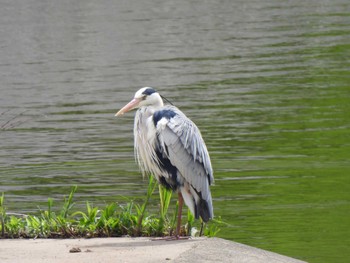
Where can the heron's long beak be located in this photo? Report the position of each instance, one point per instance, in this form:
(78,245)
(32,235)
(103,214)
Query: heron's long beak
(131,105)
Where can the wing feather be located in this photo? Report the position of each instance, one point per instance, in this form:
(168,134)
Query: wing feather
(181,141)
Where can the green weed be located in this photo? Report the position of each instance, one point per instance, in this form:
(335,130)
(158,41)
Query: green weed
(113,220)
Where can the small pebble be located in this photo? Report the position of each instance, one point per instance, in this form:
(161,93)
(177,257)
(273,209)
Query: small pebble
(74,250)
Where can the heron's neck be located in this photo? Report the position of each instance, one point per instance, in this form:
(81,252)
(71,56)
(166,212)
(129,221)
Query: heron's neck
(156,104)
(159,102)
(149,110)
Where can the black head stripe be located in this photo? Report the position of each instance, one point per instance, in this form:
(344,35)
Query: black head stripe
(149,91)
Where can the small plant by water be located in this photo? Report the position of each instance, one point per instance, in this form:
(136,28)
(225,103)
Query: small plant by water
(113,220)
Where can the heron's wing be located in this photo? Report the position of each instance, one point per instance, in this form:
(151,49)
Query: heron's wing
(181,142)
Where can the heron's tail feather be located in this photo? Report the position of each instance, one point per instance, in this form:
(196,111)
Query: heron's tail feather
(199,206)
(203,210)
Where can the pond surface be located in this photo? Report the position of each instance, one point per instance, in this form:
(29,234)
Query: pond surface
(267,82)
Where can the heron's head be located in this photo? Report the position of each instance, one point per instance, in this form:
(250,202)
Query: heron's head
(143,97)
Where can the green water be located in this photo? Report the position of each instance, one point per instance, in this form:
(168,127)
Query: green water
(292,166)
(267,82)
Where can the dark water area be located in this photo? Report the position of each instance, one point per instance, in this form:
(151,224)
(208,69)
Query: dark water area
(267,82)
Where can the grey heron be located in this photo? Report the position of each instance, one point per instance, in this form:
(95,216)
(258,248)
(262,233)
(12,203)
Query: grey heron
(170,146)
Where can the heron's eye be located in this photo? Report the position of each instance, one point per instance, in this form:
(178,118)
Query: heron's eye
(144,97)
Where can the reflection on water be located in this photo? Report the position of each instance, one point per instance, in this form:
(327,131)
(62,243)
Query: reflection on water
(266,82)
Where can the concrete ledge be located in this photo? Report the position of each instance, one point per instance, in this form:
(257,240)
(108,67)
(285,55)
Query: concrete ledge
(143,250)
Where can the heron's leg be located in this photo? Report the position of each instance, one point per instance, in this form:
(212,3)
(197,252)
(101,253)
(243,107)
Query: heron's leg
(179,214)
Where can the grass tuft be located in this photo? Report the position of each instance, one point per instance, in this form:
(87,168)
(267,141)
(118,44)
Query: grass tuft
(113,220)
